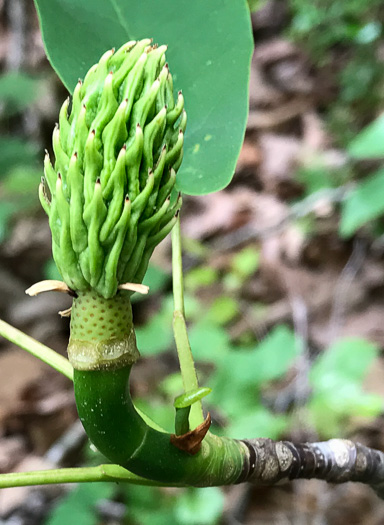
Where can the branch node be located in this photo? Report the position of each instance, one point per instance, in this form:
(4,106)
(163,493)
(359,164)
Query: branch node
(191,441)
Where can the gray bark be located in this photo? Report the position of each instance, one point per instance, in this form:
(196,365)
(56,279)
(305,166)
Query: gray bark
(334,461)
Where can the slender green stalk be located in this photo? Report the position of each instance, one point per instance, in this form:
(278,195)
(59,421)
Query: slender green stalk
(187,365)
(46,354)
(177,269)
(72,475)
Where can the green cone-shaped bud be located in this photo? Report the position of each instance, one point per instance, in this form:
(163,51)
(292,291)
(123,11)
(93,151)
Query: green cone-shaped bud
(108,193)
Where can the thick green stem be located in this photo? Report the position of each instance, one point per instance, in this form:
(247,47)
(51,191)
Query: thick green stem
(101,379)
(187,366)
(117,430)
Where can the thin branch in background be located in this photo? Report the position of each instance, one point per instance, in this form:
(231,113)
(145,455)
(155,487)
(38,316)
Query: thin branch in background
(259,329)
(300,415)
(71,440)
(300,323)
(342,287)
(306,206)
(298,389)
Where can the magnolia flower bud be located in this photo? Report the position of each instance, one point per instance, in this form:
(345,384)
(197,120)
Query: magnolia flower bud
(108,194)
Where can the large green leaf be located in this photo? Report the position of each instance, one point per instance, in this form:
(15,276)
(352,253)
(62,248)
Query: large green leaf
(363,204)
(369,143)
(209,50)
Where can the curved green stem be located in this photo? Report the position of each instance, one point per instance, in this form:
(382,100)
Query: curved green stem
(117,430)
(102,349)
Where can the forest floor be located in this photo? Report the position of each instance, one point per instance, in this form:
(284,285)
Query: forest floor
(307,277)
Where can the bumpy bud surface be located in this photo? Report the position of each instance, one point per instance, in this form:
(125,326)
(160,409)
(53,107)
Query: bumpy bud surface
(108,194)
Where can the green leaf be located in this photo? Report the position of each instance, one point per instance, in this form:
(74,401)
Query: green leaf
(171,385)
(156,278)
(15,152)
(369,143)
(369,33)
(209,51)
(276,353)
(241,373)
(16,196)
(199,506)
(256,421)
(255,5)
(200,277)
(188,398)
(17,91)
(209,343)
(336,379)
(147,507)
(223,310)
(318,176)
(156,336)
(331,410)
(363,204)
(51,271)
(78,506)
(20,182)
(246,262)
(348,359)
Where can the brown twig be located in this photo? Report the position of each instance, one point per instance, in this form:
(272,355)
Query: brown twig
(335,461)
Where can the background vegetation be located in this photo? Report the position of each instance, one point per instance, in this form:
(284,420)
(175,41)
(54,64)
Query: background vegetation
(284,276)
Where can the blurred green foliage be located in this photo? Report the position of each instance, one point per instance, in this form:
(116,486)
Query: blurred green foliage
(17,91)
(345,37)
(336,379)
(17,194)
(363,202)
(80,504)
(19,171)
(254,5)
(144,505)
(326,23)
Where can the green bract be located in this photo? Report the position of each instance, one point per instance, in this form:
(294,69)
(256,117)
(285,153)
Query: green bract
(108,195)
